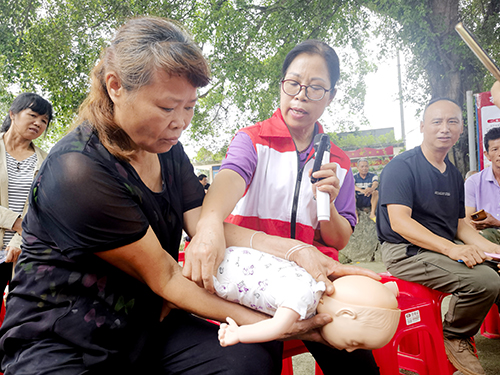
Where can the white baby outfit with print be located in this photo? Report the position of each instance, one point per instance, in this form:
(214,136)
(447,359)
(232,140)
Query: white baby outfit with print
(264,282)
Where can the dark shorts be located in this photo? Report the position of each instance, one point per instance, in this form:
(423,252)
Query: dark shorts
(183,344)
(363,201)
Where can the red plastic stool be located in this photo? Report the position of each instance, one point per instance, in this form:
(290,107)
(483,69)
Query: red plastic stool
(291,348)
(418,344)
(491,324)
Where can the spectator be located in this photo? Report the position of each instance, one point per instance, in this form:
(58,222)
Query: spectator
(20,160)
(420,214)
(366,184)
(482,190)
(204,181)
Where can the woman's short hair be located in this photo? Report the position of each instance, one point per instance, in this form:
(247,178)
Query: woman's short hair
(140,47)
(28,100)
(315,47)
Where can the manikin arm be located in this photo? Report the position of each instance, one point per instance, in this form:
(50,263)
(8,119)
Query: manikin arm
(263,331)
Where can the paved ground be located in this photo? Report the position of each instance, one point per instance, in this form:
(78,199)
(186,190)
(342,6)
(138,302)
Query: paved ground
(488,349)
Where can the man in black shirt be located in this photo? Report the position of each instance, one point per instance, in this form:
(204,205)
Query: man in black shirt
(420,214)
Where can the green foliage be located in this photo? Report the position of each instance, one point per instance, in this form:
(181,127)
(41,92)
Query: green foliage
(50,46)
(355,141)
(205,156)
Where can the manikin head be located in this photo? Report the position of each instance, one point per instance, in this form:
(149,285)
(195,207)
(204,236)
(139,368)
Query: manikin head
(365,313)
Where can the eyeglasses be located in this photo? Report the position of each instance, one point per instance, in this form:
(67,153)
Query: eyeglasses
(313,92)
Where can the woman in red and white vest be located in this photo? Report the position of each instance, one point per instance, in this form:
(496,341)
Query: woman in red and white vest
(264,185)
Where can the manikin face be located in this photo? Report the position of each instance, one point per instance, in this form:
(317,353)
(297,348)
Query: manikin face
(493,153)
(28,124)
(441,126)
(154,116)
(299,112)
(363,168)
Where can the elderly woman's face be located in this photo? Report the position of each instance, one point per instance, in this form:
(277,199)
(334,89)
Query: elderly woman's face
(155,115)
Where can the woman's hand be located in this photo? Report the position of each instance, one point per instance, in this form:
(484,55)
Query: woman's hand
(12,254)
(308,329)
(330,183)
(324,268)
(204,254)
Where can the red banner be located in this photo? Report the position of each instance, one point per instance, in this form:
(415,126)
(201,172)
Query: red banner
(376,156)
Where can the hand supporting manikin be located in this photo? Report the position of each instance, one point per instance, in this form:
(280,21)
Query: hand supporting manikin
(365,313)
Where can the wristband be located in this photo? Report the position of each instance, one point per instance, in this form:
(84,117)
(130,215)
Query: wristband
(251,238)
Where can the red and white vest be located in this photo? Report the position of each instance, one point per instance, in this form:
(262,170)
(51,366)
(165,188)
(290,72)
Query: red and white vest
(280,194)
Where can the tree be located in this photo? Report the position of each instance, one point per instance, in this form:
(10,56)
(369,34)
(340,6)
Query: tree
(50,46)
(426,28)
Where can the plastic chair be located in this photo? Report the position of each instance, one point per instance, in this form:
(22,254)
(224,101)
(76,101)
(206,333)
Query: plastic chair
(418,344)
(180,260)
(290,349)
(491,324)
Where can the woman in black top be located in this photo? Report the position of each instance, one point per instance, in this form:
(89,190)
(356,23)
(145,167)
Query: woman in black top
(98,269)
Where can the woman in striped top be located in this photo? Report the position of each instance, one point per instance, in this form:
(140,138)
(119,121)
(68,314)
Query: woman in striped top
(20,160)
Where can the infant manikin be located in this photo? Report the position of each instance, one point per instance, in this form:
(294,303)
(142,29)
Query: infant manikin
(281,288)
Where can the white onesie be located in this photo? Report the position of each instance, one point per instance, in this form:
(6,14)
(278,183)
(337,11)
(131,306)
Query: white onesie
(264,282)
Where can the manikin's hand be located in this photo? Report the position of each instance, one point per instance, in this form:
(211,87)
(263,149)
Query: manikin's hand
(469,254)
(204,254)
(324,268)
(228,333)
(489,222)
(12,254)
(330,183)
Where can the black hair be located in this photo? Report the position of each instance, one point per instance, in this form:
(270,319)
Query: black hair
(202,176)
(491,135)
(28,100)
(315,47)
(438,99)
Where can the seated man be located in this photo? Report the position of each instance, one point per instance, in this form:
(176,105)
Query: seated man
(420,214)
(482,191)
(366,184)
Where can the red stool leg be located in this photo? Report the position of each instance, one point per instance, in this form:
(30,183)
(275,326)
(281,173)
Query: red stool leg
(490,327)
(287,368)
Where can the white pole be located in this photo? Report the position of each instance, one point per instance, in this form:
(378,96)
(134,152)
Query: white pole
(472,133)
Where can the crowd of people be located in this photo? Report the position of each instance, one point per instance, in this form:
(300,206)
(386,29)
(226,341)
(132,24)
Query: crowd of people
(97,288)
